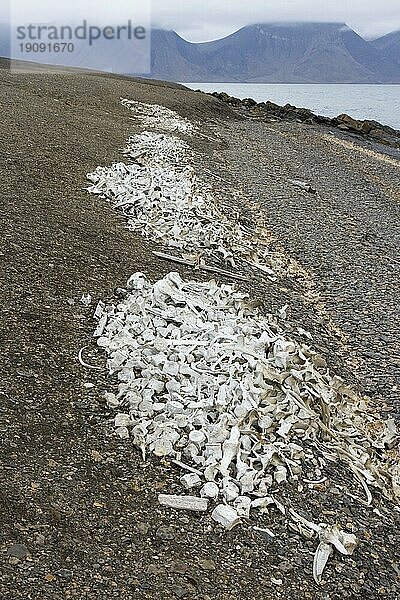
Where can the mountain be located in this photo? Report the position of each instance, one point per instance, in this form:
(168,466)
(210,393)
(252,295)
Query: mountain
(276,53)
(389,46)
(104,56)
(172,56)
(270,53)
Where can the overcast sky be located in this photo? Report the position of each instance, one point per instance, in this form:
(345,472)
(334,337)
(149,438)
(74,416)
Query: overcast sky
(209,19)
(202,20)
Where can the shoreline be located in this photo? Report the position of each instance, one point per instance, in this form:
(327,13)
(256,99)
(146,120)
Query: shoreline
(314,98)
(366,128)
(81,501)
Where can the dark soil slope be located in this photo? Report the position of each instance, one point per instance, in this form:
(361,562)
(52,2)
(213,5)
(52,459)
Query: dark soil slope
(79,516)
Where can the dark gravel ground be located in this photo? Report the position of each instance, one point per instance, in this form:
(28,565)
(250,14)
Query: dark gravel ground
(346,236)
(79,513)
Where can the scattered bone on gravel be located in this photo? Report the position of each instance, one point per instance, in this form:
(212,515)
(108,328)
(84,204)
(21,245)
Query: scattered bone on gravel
(226,516)
(163,199)
(306,187)
(160,117)
(329,538)
(207,380)
(204,379)
(183,502)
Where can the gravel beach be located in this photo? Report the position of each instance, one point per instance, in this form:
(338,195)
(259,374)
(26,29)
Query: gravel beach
(79,516)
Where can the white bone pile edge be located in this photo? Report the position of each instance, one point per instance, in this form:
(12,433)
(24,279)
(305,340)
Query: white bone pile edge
(204,378)
(206,381)
(164,200)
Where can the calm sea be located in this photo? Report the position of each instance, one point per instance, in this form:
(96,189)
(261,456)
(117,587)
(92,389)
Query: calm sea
(378,102)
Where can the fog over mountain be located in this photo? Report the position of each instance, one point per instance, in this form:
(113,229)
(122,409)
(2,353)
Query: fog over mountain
(270,53)
(278,53)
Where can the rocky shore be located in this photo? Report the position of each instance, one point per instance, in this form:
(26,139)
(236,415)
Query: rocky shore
(269,111)
(80,516)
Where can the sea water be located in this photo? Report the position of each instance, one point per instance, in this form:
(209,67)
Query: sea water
(378,102)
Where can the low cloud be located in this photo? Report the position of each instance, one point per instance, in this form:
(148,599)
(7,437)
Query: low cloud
(211,19)
(203,20)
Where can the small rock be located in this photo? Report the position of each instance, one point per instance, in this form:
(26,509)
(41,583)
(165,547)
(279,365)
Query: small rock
(126,539)
(18,551)
(338,568)
(179,591)
(179,566)
(165,532)
(107,569)
(349,122)
(285,566)
(40,539)
(143,528)
(154,570)
(97,457)
(64,574)
(207,565)
(380,135)
(183,519)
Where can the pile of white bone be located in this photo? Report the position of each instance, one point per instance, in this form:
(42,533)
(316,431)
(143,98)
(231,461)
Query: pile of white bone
(204,379)
(154,115)
(207,382)
(163,199)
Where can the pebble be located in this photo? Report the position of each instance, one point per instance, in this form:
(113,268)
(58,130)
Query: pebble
(143,528)
(107,569)
(18,551)
(64,574)
(285,567)
(40,539)
(165,532)
(180,592)
(96,456)
(154,570)
(179,566)
(207,565)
